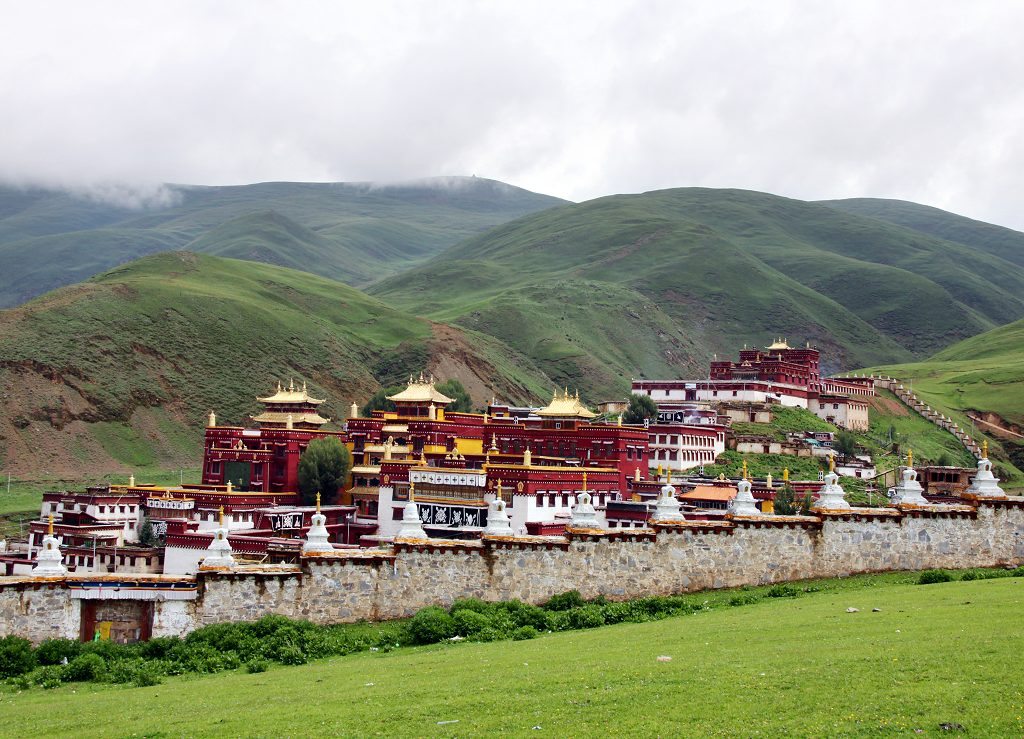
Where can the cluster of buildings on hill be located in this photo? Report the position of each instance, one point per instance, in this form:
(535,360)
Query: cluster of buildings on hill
(439,470)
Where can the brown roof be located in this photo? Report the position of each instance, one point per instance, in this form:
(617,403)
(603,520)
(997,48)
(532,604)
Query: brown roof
(710,492)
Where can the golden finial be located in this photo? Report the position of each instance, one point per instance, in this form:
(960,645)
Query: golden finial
(620,420)
(785,474)
(499,489)
(423,459)
(584,482)
(984,449)
(221,516)
(412,491)
(744,469)
(831,463)
(670,476)
(49,528)
(910,458)
(636,474)
(661,471)
(318,502)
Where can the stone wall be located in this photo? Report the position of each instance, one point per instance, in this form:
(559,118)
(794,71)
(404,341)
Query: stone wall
(396,582)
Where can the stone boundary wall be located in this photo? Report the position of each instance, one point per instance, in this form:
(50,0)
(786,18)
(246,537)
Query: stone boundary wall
(668,559)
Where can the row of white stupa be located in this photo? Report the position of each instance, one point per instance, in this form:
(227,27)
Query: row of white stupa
(831,497)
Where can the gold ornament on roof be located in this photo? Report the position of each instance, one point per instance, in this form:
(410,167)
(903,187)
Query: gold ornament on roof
(984,449)
(910,458)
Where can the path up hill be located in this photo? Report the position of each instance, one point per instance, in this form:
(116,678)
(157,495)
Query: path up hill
(119,372)
(653,284)
(352,232)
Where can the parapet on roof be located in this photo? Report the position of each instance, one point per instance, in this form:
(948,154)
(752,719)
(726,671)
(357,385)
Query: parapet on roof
(565,406)
(421,391)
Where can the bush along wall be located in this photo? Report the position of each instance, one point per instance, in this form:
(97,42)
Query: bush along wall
(256,646)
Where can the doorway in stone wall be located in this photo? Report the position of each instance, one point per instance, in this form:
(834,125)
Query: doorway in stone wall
(121,621)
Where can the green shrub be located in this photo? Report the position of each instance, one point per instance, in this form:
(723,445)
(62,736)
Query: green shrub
(468,622)
(523,614)
(50,676)
(57,651)
(16,656)
(291,655)
(470,604)
(744,599)
(782,590)
(525,632)
(586,617)
(565,601)
(257,664)
(111,651)
(932,576)
(86,668)
(431,625)
(159,647)
(487,634)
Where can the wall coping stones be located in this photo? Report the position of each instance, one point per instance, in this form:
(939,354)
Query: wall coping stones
(697,527)
(437,546)
(608,535)
(859,514)
(777,522)
(353,556)
(938,511)
(527,542)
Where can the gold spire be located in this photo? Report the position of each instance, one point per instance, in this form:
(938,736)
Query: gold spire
(221,516)
(910,458)
(423,459)
(636,475)
(831,463)
(670,476)
(619,423)
(744,469)
(499,489)
(412,491)
(785,474)
(318,502)
(584,482)
(661,471)
(49,528)
(984,449)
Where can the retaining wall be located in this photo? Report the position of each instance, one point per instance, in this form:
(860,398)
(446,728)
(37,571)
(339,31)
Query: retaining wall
(398,581)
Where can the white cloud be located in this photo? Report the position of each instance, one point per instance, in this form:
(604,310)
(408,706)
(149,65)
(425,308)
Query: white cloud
(914,100)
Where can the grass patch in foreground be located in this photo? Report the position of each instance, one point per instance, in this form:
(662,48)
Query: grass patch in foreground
(942,653)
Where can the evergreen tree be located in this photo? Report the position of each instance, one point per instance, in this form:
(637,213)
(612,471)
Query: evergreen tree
(455,390)
(785,505)
(323,468)
(641,408)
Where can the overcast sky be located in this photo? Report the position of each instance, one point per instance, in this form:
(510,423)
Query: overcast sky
(916,100)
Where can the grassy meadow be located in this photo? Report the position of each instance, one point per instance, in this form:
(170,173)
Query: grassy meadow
(930,656)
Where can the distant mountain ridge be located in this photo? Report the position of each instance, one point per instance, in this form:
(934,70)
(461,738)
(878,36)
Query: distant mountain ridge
(353,232)
(655,283)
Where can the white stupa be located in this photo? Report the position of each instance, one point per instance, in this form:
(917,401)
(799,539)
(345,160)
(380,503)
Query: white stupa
(49,560)
(219,551)
(744,504)
(498,523)
(317,536)
(909,490)
(412,527)
(583,514)
(985,484)
(667,507)
(831,497)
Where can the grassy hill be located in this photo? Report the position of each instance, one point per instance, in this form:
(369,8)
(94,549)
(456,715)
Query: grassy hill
(119,372)
(352,232)
(914,659)
(980,383)
(653,284)
(998,241)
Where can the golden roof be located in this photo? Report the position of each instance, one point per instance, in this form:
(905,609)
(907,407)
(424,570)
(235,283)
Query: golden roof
(278,417)
(565,406)
(290,394)
(779,344)
(421,391)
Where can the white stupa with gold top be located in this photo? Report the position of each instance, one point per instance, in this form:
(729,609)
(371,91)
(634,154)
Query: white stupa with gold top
(291,407)
(498,522)
(831,497)
(49,561)
(412,527)
(744,504)
(667,507)
(584,516)
(317,538)
(909,491)
(219,551)
(985,484)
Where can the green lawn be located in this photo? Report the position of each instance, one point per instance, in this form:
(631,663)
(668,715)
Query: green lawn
(933,654)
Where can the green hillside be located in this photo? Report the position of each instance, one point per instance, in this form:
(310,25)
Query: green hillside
(352,232)
(985,237)
(653,284)
(120,371)
(929,660)
(980,383)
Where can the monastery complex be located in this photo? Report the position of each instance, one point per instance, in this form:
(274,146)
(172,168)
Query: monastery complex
(427,479)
